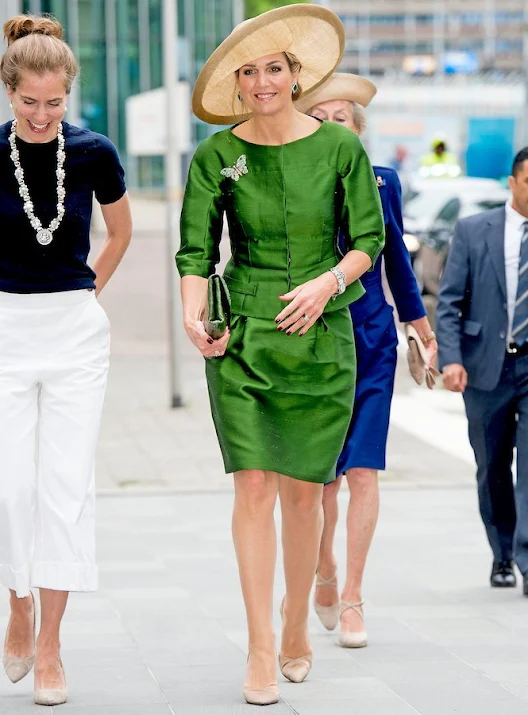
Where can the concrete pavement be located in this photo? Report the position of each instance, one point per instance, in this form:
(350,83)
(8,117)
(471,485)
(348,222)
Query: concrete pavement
(165,633)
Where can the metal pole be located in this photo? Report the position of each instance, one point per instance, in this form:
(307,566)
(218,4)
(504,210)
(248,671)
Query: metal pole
(238,12)
(74,102)
(173,188)
(112,79)
(8,8)
(439,37)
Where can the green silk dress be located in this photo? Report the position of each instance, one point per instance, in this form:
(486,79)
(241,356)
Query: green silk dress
(281,403)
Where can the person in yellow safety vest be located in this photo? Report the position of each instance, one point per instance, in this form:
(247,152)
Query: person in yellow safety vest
(440,162)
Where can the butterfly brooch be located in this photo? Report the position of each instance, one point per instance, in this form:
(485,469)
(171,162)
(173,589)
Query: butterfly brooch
(235,172)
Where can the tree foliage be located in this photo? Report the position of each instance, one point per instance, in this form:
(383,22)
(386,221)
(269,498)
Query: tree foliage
(256,7)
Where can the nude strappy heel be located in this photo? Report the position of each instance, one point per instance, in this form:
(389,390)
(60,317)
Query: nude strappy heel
(346,638)
(18,668)
(328,615)
(294,669)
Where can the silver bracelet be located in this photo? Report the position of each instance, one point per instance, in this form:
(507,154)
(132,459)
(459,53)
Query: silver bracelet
(341,281)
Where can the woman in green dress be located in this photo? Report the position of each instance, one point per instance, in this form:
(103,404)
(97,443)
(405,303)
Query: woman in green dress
(281,384)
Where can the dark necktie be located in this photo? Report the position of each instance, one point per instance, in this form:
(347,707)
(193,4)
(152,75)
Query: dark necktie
(520,315)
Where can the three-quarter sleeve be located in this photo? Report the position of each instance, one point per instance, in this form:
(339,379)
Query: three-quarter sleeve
(362,212)
(201,218)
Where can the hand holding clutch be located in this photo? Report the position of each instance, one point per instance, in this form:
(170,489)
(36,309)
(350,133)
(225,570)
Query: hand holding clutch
(218,307)
(418,361)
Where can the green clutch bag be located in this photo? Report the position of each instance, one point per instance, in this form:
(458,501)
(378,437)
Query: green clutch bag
(218,307)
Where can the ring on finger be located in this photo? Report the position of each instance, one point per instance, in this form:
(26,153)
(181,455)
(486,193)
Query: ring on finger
(306,318)
(217,353)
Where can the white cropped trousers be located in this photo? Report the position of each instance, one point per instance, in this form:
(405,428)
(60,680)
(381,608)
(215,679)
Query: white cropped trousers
(54,353)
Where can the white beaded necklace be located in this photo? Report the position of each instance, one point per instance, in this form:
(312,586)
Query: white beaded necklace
(44,235)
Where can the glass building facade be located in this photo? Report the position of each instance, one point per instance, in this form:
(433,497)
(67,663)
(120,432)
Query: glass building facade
(119,47)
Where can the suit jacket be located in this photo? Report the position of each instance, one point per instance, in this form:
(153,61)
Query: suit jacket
(472,315)
(398,269)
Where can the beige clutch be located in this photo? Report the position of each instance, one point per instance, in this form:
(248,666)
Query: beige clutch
(417,359)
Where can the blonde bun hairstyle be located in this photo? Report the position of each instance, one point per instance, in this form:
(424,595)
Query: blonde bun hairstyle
(35,44)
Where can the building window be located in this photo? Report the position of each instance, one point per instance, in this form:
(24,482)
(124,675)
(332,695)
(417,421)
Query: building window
(508,16)
(472,18)
(508,46)
(92,58)
(424,19)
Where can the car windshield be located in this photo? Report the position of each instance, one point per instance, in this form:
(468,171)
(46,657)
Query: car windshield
(425,204)
(475,207)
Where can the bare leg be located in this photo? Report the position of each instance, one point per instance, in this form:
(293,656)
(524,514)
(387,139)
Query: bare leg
(326,568)
(49,674)
(20,643)
(362,518)
(255,542)
(302,525)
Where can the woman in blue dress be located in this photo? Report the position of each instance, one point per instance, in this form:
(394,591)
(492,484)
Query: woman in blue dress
(342,100)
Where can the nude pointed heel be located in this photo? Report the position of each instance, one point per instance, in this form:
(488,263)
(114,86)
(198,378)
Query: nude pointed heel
(18,668)
(352,640)
(328,615)
(51,696)
(264,696)
(261,696)
(294,669)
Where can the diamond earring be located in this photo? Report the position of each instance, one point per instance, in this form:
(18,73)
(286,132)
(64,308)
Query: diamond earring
(10,105)
(295,87)
(239,97)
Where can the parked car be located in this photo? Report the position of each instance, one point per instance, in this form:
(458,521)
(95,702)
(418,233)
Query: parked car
(431,209)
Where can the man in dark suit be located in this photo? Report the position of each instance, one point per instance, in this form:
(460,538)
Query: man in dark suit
(482,329)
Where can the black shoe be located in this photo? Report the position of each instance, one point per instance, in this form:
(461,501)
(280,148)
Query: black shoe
(503,576)
(525,584)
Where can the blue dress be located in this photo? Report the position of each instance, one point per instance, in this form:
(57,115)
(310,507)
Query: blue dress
(376,337)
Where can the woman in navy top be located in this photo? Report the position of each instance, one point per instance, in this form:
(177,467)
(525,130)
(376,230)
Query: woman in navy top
(341,100)
(54,343)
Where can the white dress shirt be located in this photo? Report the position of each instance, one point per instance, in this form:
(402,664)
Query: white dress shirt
(512,247)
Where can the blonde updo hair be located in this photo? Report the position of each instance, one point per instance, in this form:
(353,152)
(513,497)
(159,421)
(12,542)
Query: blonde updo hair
(295,66)
(35,44)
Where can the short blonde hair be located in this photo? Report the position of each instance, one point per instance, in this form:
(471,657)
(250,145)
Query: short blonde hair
(359,117)
(35,44)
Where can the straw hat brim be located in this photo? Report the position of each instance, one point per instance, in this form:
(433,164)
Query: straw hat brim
(341,85)
(314,34)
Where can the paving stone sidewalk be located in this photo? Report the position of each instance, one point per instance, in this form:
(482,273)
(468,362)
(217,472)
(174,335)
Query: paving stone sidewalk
(165,634)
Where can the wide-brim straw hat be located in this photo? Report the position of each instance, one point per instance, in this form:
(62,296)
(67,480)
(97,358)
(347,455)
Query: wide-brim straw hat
(341,85)
(314,34)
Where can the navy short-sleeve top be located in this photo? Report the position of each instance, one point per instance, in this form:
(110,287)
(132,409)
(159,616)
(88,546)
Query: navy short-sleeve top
(92,167)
